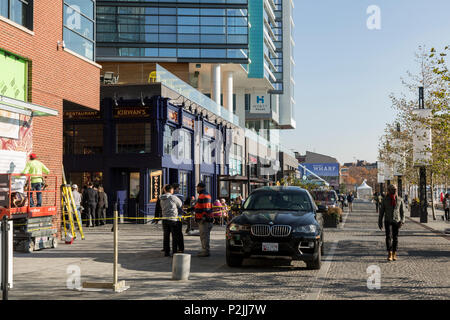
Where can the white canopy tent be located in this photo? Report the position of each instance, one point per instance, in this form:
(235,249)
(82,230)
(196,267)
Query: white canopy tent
(364,192)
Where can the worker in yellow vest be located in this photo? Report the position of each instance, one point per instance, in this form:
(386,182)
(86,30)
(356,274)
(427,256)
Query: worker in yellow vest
(36,168)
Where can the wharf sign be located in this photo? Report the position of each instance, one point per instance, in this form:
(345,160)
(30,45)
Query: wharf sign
(322,169)
(131,112)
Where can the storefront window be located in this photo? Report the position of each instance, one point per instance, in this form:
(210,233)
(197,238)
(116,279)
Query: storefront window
(184,182)
(83,139)
(79,21)
(184,145)
(168,139)
(81,179)
(207,180)
(134,185)
(133,137)
(207,150)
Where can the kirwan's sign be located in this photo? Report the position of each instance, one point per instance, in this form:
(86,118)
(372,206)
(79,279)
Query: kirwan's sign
(131,112)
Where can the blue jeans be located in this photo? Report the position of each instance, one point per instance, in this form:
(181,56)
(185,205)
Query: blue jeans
(79,214)
(36,187)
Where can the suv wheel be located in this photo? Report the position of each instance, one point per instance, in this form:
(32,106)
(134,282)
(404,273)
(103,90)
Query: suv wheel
(233,260)
(316,263)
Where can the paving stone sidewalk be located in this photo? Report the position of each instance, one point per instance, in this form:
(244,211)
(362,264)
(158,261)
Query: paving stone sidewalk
(423,271)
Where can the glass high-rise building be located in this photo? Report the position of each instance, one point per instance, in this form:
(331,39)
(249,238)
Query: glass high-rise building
(175,31)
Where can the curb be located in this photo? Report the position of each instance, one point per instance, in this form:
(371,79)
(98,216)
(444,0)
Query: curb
(440,233)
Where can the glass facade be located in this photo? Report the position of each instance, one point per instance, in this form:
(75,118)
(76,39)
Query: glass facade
(83,139)
(212,30)
(79,27)
(133,137)
(19,11)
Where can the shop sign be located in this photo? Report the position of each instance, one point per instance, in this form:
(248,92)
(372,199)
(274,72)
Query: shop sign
(189,123)
(252,159)
(260,103)
(81,115)
(323,169)
(155,185)
(132,112)
(172,115)
(209,131)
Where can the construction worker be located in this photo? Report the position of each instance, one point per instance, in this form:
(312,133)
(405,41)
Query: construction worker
(35,168)
(204,217)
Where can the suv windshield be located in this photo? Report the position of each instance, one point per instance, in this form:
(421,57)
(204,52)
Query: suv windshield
(329,196)
(279,200)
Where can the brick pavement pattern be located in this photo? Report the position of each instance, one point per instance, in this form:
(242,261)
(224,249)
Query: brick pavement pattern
(422,271)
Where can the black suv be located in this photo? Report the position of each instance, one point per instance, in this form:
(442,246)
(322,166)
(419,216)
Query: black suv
(276,221)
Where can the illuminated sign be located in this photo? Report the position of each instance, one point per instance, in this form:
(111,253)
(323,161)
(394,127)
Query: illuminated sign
(132,112)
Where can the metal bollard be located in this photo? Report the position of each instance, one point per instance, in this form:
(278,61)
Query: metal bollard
(181,266)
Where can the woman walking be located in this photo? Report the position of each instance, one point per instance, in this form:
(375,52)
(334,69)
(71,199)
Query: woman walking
(392,210)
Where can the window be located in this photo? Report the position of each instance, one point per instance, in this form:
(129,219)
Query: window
(247,101)
(83,139)
(184,145)
(207,150)
(133,137)
(79,22)
(19,11)
(184,182)
(168,139)
(207,180)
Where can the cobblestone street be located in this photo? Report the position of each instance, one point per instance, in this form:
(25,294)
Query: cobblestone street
(422,271)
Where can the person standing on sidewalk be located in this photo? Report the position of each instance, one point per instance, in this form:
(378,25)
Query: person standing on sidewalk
(102,205)
(77,200)
(90,199)
(170,205)
(204,217)
(392,210)
(36,168)
(179,226)
(376,199)
(446,203)
(350,202)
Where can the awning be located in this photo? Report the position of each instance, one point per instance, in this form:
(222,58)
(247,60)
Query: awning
(25,108)
(233,178)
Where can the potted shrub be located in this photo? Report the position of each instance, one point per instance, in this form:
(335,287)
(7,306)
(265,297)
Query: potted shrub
(415,208)
(331,218)
(336,210)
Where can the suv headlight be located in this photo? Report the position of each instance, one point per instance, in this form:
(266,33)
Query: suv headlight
(311,228)
(238,227)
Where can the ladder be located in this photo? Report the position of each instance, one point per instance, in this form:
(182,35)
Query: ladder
(68,207)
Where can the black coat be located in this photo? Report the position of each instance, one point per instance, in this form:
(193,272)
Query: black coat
(90,197)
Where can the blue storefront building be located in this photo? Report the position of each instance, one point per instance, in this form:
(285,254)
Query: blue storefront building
(143,137)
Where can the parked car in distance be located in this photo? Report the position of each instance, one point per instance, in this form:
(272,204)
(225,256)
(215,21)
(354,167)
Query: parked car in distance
(325,199)
(277,222)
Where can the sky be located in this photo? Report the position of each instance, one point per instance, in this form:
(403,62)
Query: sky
(345,72)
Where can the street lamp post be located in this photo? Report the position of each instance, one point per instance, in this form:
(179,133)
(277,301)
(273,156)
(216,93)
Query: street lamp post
(399,176)
(422,174)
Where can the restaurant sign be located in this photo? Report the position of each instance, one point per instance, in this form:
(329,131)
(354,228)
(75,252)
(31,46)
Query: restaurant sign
(82,115)
(131,112)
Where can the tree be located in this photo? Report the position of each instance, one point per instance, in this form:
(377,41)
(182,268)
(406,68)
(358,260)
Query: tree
(434,77)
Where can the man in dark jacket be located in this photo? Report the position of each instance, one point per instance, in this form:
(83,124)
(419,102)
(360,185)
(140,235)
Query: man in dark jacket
(102,205)
(204,217)
(350,201)
(392,210)
(90,200)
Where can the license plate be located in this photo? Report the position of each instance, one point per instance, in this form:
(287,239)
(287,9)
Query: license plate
(271,247)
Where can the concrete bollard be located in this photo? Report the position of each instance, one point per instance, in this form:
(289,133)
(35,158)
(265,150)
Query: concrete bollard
(181,266)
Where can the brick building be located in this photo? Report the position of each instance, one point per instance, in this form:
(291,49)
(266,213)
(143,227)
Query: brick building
(46,67)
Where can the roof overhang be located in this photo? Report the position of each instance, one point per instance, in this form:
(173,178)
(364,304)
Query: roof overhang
(25,108)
